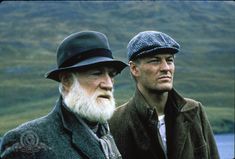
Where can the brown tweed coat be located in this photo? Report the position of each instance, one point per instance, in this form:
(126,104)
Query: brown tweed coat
(188,132)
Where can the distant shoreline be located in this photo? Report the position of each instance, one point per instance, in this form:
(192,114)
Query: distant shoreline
(224,133)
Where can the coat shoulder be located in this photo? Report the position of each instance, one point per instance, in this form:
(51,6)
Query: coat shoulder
(192,101)
(27,135)
(121,113)
(191,104)
(37,125)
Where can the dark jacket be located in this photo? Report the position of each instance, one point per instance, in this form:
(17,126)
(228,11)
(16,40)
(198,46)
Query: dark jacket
(188,132)
(59,135)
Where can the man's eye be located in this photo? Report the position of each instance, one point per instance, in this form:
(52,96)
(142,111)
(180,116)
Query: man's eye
(113,73)
(154,61)
(170,60)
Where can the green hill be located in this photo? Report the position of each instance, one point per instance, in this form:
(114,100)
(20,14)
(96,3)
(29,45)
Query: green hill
(31,31)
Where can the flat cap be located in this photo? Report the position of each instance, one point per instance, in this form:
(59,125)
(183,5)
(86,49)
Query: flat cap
(147,42)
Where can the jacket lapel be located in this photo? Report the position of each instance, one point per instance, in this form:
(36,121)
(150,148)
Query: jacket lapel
(143,129)
(138,104)
(139,130)
(85,142)
(82,139)
(184,116)
(180,131)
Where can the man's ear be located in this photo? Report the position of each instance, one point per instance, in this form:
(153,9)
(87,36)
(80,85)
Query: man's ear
(134,69)
(65,79)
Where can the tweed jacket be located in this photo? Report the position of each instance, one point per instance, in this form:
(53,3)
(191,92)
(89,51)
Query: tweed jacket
(188,132)
(59,135)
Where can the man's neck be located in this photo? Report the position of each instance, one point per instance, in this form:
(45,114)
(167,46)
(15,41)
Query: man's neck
(155,99)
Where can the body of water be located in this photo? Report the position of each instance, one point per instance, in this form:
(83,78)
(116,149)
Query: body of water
(225,143)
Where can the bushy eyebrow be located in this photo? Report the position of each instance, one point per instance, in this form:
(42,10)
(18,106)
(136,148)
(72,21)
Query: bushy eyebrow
(160,57)
(171,57)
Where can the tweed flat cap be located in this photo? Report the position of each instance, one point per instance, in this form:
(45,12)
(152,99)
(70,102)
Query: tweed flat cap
(83,49)
(151,42)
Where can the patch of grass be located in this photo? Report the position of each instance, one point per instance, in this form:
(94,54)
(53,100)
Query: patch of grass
(222,119)
(14,116)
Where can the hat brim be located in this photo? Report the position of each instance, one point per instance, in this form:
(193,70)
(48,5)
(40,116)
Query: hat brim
(118,65)
(156,50)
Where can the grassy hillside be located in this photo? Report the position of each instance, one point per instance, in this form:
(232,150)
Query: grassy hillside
(31,31)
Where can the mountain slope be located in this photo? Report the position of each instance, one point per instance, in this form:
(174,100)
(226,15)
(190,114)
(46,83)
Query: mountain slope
(31,31)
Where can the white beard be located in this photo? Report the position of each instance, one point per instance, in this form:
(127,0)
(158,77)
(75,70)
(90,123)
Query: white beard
(87,106)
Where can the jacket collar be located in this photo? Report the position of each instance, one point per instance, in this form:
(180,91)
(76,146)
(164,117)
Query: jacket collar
(81,137)
(142,107)
(148,113)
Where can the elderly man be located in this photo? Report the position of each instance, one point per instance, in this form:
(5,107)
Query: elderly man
(77,127)
(158,123)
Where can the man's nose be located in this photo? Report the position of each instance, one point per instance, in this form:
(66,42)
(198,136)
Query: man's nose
(106,82)
(164,66)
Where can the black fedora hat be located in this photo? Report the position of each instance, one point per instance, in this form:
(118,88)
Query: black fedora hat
(83,49)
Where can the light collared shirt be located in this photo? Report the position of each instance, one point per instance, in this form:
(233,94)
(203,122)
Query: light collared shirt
(162,130)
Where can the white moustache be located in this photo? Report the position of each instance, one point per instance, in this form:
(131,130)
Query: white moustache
(107,95)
